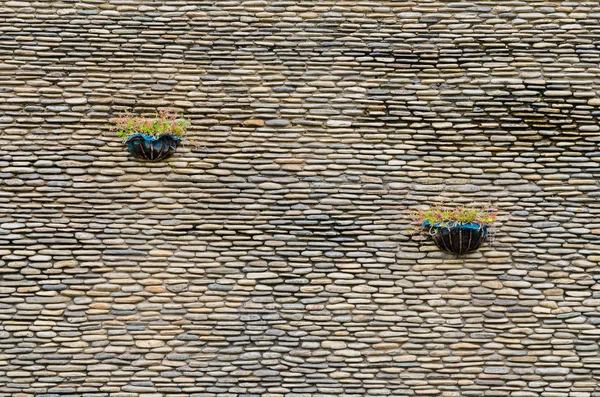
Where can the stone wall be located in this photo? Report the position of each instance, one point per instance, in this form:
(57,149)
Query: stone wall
(273,258)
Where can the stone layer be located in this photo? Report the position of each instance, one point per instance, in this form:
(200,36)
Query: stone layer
(272,258)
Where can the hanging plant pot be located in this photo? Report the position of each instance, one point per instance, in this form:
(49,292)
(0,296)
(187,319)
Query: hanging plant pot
(458,238)
(151,139)
(152,148)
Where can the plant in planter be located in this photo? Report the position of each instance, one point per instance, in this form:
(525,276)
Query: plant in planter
(151,139)
(458,230)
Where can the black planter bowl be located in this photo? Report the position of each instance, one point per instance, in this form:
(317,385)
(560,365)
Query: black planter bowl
(151,148)
(458,239)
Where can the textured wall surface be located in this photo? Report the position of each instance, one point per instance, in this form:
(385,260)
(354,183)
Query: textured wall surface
(273,258)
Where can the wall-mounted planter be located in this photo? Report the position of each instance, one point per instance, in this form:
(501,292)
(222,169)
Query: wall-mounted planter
(152,148)
(458,239)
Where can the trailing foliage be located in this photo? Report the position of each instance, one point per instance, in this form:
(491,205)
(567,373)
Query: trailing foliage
(165,122)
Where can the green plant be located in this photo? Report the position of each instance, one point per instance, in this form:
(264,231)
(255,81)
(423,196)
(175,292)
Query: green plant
(443,217)
(165,122)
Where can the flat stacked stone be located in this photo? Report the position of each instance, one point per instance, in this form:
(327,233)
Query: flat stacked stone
(273,258)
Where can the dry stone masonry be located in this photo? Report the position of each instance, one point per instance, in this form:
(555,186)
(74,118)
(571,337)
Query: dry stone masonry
(273,259)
